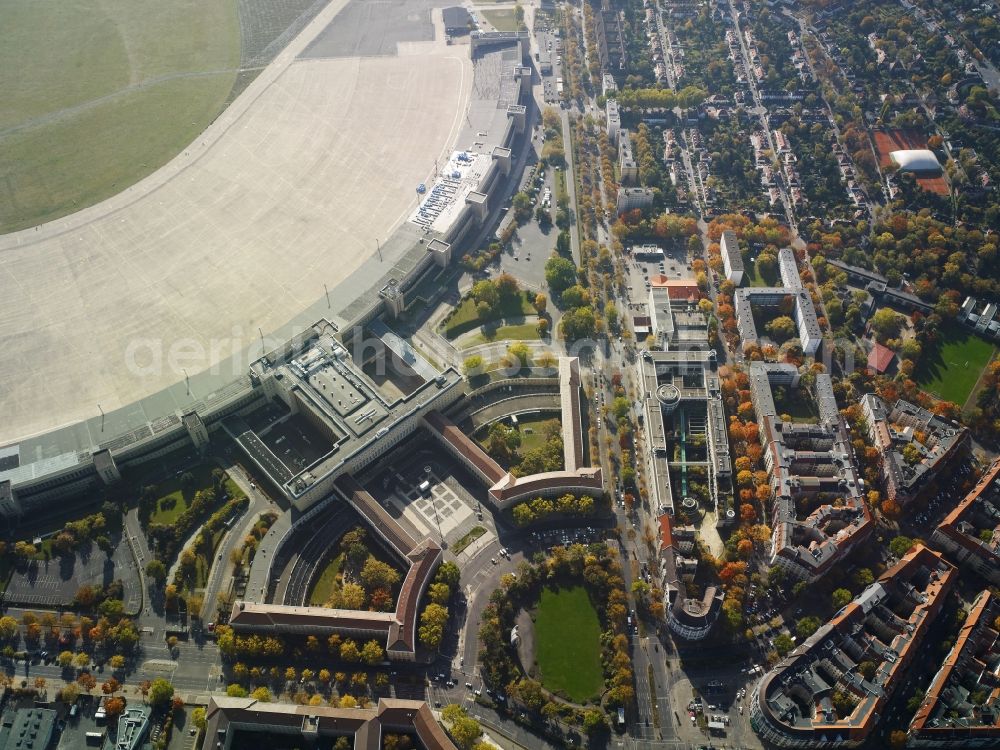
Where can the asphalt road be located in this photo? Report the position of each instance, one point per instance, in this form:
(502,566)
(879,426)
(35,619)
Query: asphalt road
(294,590)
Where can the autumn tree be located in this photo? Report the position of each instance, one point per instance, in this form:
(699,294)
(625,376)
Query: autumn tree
(372,653)
(160,692)
(198,718)
(114,707)
(432,622)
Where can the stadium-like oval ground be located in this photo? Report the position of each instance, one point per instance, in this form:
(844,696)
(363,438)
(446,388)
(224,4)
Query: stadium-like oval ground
(285,193)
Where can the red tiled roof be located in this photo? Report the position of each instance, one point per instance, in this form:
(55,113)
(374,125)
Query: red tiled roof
(511,487)
(423,563)
(960,510)
(880,357)
(666,533)
(400,627)
(376,515)
(953,662)
(468,447)
(676,288)
(367,724)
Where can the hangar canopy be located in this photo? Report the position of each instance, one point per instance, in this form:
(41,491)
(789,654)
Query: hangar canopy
(916,160)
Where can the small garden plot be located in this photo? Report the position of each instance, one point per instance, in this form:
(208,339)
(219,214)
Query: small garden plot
(358,576)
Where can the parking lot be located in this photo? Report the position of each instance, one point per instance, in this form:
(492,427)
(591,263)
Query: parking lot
(549,539)
(946,493)
(550,48)
(54,582)
(533,244)
(639,273)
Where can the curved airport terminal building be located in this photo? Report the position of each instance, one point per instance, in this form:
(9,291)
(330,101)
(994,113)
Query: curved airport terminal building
(301,368)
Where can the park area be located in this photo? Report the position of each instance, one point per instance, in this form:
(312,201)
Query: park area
(535,430)
(354,573)
(568,644)
(951,369)
(796,403)
(97,96)
(517,332)
(175,495)
(467,316)
(501,19)
(752,277)
(468,538)
(532,445)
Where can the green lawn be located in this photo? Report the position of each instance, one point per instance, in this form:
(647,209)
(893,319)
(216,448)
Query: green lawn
(531,433)
(532,436)
(519,332)
(466,317)
(468,538)
(502,20)
(172,501)
(98,95)
(796,404)
(562,192)
(950,371)
(752,278)
(204,563)
(323,587)
(567,644)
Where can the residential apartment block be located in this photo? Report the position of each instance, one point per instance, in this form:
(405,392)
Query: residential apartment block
(812,465)
(913,443)
(970,534)
(832,690)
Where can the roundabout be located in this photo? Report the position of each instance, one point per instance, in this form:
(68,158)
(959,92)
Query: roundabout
(555,637)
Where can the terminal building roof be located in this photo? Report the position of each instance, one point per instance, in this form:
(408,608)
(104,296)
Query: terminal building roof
(133,427)
(342,402)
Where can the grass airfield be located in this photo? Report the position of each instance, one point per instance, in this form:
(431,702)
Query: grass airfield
(97,95)
(284,192)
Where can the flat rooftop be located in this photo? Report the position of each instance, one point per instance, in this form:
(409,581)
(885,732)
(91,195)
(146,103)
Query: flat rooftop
(495,87)
(444,202)
(345,407)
